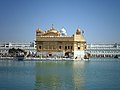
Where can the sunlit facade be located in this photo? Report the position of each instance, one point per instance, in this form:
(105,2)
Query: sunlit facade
(54,43)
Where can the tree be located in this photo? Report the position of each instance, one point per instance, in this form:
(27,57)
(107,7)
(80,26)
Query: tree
(12,52)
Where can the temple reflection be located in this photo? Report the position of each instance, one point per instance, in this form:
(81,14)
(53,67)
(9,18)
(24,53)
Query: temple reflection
(78,75)
(59,75)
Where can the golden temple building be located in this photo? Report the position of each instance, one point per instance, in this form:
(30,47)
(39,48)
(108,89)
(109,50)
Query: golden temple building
(53,43)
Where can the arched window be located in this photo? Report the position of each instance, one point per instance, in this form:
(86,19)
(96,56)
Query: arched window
(78,48)
(59,47)
(40,47)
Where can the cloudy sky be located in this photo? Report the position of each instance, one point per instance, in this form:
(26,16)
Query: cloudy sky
(100,19)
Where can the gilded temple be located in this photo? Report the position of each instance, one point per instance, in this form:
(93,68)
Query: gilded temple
(54,43)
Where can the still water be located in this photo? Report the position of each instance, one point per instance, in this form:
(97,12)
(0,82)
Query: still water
(97,74)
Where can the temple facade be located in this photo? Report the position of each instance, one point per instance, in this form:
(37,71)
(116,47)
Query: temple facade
(54,43)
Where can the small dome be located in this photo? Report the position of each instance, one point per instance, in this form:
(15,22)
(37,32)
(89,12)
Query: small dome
(63,32)
(78,31)
(39,30)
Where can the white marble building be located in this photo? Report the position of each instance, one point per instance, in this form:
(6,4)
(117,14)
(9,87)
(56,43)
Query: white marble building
(5,46)
(103,49)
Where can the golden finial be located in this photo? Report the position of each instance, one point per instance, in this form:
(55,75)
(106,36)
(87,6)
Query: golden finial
(52,27)
(39,30)
(78,27)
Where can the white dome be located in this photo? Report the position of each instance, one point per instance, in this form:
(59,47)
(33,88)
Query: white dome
(63,32)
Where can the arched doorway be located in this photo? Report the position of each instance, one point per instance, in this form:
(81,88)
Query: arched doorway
(50,54)
(67,54)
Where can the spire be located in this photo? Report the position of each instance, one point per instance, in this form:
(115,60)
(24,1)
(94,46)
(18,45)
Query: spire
(78,28)
(53,27)
(38,28)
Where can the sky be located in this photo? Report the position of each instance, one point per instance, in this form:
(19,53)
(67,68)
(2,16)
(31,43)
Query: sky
(100,19)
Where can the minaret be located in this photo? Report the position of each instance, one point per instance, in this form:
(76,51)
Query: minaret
(79,44)
(38,31)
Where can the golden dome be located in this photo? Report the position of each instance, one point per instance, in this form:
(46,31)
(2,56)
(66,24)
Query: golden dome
(53,29)
(39,30)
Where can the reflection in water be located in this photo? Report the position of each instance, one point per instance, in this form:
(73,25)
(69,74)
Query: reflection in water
(78,75)
(64,75)
(59,75)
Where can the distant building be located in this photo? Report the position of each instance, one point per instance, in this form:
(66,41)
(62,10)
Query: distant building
(95,49)
(103,50)
(5,46)
(54,43)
